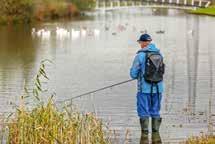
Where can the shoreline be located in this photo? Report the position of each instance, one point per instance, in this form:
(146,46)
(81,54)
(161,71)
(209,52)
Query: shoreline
(33,11)
(53,11)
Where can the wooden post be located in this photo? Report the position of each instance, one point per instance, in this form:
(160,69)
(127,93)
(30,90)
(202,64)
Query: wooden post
(200,3)
(207,4)
(97,4)
(177,2)
(104,4)
(111,4)
(118,3)
(192,3)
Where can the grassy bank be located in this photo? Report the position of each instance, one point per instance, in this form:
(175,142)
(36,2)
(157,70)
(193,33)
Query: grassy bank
(38,121)
(204,11)
(201,140)
(25,11)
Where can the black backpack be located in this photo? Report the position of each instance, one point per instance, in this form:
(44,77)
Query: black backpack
(154,67)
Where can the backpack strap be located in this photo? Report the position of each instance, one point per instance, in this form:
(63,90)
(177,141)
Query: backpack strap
(151,94)
(140,82)
(158,94)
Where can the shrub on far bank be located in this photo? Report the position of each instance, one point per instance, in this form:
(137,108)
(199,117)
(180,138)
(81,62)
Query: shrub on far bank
(54,10)
(22,11)
(84,4)
(3,19)
(16,10)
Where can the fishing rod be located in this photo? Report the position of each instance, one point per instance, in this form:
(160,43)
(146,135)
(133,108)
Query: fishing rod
(103,88)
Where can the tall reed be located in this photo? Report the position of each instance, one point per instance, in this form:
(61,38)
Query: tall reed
(46,124)
(204,139)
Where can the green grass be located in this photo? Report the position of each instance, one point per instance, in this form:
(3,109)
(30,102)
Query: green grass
(204,11)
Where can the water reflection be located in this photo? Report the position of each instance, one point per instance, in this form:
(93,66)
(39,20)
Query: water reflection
(17,50)
(63,33)
(211,96)
(155,138)
(192,60)
(17,61)
(144,139)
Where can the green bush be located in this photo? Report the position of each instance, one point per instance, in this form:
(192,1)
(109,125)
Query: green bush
(17,9)
(84,4)
(54,9)
(3,19)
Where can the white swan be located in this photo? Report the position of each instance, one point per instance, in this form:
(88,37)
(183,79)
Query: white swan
(75,34)
(46,34)
(96,32)
(60,32)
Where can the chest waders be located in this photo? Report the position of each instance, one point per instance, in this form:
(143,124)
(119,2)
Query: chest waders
(156,122)
(144,122)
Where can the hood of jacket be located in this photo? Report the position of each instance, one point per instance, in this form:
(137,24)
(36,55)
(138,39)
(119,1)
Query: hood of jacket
(151,47)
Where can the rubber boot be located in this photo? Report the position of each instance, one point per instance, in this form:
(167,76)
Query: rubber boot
(156,122)
(156,139)
(144,138)
(144,123)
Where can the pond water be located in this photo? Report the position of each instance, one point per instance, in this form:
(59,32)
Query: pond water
(98,51)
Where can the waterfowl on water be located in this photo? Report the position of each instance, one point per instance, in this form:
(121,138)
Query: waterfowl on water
(160,32)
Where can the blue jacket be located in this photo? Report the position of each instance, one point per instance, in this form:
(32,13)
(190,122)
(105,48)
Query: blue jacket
(138,66)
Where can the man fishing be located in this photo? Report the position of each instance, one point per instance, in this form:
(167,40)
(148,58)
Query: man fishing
(148,69)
